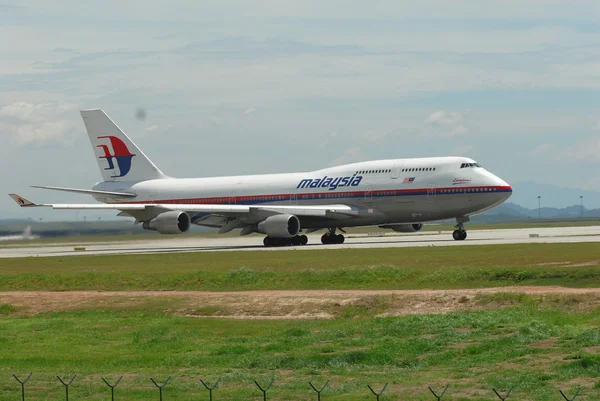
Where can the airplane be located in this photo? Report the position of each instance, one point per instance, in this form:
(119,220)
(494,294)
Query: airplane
(396,194)
(25,236)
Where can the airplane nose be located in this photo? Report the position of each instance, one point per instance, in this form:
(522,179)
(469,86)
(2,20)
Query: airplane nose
(504,187)
(500,185)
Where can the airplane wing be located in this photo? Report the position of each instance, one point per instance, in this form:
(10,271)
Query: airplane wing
(86,191)
(213,215)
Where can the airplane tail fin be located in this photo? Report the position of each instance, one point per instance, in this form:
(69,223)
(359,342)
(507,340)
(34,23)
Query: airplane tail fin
(118,157)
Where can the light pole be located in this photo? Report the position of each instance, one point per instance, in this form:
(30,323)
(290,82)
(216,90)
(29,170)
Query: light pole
(539,207)
(581,198)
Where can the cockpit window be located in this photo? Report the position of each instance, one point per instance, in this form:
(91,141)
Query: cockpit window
(469,165)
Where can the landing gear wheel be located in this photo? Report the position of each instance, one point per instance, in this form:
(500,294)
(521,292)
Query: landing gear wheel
(295,241)
(328,239)
(459,235)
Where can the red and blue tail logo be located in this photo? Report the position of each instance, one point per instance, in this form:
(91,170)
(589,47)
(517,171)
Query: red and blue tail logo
(120,154)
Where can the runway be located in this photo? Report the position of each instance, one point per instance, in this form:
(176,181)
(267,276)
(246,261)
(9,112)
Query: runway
(254,243)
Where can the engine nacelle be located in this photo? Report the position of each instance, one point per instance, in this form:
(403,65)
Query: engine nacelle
(404,228)
(169,223)
(280,226)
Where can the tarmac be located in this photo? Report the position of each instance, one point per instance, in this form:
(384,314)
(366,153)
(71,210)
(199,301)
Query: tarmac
(176,244)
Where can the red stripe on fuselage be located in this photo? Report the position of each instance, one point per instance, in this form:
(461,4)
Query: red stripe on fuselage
(330,194)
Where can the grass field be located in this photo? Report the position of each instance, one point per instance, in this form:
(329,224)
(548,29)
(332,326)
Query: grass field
(536,346)
(574,265)
(537,343)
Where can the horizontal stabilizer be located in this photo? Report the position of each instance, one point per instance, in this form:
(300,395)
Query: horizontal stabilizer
(22,201)
(86,191)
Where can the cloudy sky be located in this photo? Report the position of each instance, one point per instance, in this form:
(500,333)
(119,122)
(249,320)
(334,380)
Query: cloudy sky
(263,86)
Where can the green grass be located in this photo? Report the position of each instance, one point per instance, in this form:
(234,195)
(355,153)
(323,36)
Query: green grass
(536,346)
(573,265)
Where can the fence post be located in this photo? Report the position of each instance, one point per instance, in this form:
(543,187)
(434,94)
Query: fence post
(160,387)
(319,391)
(112,388)
(66,386)
(264,391)
(507,394)
(210,388)
(439,397)
(23,385)
(569,399)
(378,394)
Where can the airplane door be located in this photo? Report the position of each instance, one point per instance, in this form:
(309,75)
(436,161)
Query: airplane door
(235,192)
(431,191)
(369,194)
(394,173)
(232,198)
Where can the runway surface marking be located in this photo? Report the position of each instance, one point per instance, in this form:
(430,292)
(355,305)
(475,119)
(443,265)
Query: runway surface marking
(254,243)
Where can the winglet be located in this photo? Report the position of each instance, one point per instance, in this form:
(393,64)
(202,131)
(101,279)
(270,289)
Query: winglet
(22,201)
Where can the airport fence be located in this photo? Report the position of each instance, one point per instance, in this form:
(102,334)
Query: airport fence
(264,389)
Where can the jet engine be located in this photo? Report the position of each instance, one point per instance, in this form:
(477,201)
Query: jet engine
(404,228)
(280,226)
(169,223)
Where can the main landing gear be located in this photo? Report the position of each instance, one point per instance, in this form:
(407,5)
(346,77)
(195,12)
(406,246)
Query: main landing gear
(332,238)
(460,234)
(296,241)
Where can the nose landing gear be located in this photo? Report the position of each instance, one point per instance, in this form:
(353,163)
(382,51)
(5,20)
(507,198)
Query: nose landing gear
(332,238)
(460,234)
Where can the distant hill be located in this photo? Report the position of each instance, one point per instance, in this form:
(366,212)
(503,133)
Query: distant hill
(511,212)
(526,193)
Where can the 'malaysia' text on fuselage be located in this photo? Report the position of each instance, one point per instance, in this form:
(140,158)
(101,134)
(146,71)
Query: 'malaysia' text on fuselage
(331,183)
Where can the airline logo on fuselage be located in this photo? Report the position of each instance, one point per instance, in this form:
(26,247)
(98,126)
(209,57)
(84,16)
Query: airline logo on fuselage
(120,154)
(330,182)
(460,181)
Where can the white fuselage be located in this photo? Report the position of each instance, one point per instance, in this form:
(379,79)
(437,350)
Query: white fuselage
(386,191)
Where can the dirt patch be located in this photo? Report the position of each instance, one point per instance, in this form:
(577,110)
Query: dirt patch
(569,264)
(281,304)
(548,343)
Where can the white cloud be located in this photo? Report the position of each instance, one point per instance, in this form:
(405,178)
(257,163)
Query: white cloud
(26,123)
(446,124)
(330,137)
(375,135)
(350,155)
(443,118)
(586,151)
(544,149)
(592,184)
(151,128)
(463,150)
(249,110)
